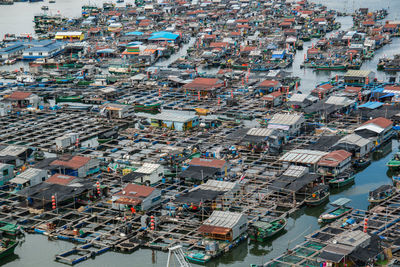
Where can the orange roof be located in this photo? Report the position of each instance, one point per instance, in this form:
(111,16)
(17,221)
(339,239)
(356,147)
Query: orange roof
(75,162)
(213,163)
(18,95)
(135,191)
(334,158)
(269,83)
(61,179)
(380,121)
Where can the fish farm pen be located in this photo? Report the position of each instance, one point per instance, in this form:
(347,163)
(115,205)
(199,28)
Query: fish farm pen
(198,128)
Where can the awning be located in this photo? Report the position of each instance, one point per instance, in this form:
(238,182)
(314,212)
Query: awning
(215,230)
(371,105)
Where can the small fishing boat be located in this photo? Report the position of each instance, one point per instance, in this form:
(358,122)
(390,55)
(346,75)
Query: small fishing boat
(10,61)
(198,257)
(382,193)
(319,195)
(262,230)
(362,163)
(7,247)
(339,211)
(52,1)
(9,229)
(45,8)
(342,181)
(394,163)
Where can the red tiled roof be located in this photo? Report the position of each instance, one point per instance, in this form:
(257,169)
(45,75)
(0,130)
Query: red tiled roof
(269,83)
(326,86)
(334,158)
(353,89)
(61,179)
(135,191)
(75,162)
(219,44)
(272,95)
(380,121)
(214,163)
(204,83)
(392,87)
(18,95)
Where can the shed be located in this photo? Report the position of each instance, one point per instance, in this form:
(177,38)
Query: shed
(224,225)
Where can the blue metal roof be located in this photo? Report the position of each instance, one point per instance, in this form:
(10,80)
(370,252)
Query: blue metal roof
(371,105)
(163,35)
(50,47)
(134,33)
(11,48)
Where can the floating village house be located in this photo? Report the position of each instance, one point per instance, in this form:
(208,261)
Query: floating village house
(43,49)
(140,197)
(268,86)
(115,111)
(30,177)
(175,121)
(148,173)
(355,144)
(264,139)
(219,164)
(23,99)
(273,99)
(202,169)
(78,166)
(302,157)
(14,155)
(224,225)
(334,163)
(70,36)
(289,124)
(358,77)
(379,130)
(204,86)
(6,173)
(11,51)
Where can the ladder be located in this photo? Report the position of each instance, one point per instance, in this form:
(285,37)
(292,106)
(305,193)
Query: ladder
(179,255)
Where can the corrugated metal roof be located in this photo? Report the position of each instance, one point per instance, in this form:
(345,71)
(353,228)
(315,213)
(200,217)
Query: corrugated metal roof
(148,168)
(339,101)
(218,185)
(303,156)
(358,73)
(225,219)
(285,119)
(12,151)
(354,139)
(30,173)
(260,132)
(296,171)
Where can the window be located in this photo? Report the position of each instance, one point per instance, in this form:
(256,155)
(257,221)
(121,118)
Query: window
(5,172)
(40,53)
(30,53)
(43,179)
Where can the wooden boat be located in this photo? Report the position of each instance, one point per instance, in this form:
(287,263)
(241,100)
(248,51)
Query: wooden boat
(202,111)
(7,247)
(199,257)
(262,230)
(339,211)
(382,193)
(9,229)
(331,67)
(319,195)
(394,163)
(153,108)
(362,163)
(339,182)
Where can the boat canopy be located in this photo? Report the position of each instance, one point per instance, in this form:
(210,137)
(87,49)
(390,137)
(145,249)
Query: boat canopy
(341,202)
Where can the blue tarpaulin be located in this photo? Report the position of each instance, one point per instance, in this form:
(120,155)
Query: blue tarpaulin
(387,95)
(371,105)
(134,33)
(163,36)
